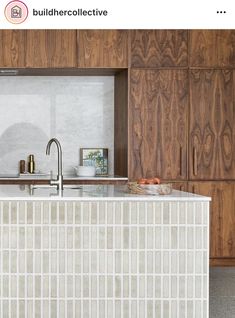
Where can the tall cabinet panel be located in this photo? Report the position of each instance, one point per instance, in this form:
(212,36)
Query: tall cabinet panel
(12,48)
(51,48)
(158,124)
(222,216)
(212,122)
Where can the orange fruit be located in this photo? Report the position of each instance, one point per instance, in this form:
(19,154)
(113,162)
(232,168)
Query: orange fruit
(142,181)
(157,180)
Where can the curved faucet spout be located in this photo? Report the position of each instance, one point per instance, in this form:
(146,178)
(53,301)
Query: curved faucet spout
(59,181)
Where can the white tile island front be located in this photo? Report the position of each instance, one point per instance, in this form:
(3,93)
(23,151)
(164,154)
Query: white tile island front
(101,252)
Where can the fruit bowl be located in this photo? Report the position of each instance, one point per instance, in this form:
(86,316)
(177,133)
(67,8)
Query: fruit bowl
(150,189)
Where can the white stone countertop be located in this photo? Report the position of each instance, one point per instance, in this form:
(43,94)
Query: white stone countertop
(66,177)
(87,193)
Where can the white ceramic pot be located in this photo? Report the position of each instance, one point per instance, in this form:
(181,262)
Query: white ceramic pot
(85,171)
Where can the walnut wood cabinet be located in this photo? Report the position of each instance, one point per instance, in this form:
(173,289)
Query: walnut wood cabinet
(222,216)
(208,58)
(12,48)
(182,186)
(51,48)
(212,48)
(158,124)
(64,48)
(103,48)
(159,48)
(212,125)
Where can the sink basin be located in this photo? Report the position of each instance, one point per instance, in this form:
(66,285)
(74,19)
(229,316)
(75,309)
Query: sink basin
(47,190)
(70,190)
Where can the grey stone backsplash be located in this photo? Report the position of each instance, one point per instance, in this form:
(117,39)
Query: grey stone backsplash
(79,111)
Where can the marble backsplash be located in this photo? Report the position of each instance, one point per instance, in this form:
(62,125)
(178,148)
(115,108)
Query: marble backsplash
(79,111)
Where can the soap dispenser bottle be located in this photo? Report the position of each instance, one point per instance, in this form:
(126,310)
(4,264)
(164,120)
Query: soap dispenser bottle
(31,164)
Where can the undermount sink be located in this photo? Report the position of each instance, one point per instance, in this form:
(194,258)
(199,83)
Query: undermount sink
(52,191)
(69,190)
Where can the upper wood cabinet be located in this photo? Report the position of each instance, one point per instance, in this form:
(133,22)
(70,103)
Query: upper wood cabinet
(159,48)
(212,124)
(12,48)
(222,216)
(103,48)
(51,48)
(158,124)
(212,48)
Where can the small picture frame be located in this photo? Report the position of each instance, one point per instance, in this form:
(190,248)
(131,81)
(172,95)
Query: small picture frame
(97,157)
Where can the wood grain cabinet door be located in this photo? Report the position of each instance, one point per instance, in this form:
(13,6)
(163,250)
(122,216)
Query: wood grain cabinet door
(211,139)
(159,48)
(181,186)
(222,215)
(51,48)
(158,124)
(12,48)
(212,48)
(103,48)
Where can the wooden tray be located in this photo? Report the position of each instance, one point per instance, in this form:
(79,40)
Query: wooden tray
(150,189)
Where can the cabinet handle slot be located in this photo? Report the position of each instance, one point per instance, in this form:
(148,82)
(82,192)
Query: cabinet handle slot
(181,161)
(195,161)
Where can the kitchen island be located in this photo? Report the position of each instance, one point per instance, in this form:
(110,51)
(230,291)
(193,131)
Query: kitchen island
(98,251)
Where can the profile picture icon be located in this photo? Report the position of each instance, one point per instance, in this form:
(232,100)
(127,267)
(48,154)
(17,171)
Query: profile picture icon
(16,12)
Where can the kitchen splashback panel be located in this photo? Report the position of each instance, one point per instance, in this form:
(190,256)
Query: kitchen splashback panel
(79,111)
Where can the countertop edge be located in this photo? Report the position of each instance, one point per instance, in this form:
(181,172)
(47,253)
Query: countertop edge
(144,199)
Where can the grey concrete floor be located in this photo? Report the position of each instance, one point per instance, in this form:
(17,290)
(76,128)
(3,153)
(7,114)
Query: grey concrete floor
(222,292)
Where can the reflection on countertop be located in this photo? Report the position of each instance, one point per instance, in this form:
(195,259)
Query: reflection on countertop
(66,177)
